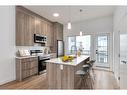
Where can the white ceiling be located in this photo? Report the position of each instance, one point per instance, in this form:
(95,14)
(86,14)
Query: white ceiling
(89,12)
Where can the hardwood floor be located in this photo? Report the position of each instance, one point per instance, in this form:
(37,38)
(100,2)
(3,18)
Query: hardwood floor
(34,82)
(103,80)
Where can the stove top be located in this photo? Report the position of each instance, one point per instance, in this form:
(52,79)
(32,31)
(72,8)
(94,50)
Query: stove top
(40,54)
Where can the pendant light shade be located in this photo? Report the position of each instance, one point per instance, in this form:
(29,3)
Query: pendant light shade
(80,33)
(69,25)
(80,20)
(69,22)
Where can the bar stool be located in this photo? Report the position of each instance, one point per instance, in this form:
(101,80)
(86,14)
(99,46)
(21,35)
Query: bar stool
(83,76)
(89,66)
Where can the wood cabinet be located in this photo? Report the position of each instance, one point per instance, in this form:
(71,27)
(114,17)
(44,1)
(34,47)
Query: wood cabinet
(25,27)
(29,23)
(49,34)
(57,35)
(38,26)
(59,31)
(26,67)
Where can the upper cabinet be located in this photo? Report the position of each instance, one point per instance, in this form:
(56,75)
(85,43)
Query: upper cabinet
(49,34)
(58,28)
(57,35)
(25,27)
(29,23)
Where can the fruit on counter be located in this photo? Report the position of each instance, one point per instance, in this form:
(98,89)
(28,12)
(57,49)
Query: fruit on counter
(67,58)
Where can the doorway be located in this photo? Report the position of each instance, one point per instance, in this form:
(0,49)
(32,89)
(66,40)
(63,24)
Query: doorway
(123,61)
(102,50)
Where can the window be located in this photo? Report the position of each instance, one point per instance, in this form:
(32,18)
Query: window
(81,43)
(71,45)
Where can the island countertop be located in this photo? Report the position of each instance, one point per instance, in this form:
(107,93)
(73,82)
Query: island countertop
(74,62)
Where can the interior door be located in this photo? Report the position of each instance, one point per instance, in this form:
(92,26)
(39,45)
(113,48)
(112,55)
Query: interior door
(123,61)
(102,50)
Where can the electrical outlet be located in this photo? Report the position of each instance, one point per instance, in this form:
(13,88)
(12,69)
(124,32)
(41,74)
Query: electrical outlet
(61,67)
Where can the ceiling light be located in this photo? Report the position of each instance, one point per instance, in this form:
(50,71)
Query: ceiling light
(80,20)
(69,22)
(55,14)
(69,25)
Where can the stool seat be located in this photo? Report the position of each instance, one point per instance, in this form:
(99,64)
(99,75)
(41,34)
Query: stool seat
(80,72)
(85,66)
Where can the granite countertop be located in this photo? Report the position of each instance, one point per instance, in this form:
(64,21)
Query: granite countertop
(74,62)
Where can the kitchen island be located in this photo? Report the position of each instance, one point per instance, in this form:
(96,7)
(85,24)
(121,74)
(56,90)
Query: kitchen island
(61,75)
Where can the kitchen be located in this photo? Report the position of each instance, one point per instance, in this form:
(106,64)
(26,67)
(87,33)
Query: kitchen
(47,34)
(35,31)
(42,43)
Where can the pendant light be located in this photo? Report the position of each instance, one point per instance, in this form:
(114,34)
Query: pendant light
(80,20)
(69,25)
(69,22)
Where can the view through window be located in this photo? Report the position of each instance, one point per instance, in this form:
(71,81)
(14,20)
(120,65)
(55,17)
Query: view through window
(81,43)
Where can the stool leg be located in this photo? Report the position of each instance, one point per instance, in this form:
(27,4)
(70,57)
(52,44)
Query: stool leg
(86,82)
(81,82)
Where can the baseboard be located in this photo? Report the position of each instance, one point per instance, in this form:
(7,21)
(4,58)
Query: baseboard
(6,81)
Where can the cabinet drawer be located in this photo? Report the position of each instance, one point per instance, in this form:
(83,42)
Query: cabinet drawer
(33,59)
(33,71)
(25,60)
(25,65)
(33,64)
(25,73)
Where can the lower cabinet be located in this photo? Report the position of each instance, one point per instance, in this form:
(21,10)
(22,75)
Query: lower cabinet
(26,67)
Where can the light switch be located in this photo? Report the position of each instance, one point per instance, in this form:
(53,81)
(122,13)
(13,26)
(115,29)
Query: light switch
(61,67)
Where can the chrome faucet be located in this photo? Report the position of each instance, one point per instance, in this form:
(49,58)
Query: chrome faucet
(75,48)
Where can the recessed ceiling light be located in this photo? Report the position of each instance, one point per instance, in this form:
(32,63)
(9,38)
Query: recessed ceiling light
(55,14)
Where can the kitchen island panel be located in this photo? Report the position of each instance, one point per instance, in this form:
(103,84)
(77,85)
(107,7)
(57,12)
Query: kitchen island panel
(61,76)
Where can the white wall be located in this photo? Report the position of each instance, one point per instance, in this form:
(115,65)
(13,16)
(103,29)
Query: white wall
(93,27)
(120,26)
(7,41)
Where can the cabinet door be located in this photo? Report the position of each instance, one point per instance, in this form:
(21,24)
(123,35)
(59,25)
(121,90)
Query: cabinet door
(48,34)
(25,27)
(20,26)
(52,35)
(33,64)
(59,32)
(25,74)
(38,26)
(33,71)
(29,30)
(43,27)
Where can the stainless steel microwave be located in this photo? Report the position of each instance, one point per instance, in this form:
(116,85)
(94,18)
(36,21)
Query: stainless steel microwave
(40,38)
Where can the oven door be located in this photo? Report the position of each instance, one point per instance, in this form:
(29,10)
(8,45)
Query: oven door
(42,65)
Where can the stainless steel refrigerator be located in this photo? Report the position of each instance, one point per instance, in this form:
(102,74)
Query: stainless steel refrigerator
(60,48)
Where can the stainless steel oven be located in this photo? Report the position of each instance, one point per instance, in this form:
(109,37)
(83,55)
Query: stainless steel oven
(41,59)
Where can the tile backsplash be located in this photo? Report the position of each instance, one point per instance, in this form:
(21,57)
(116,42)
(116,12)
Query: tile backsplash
(35,47)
